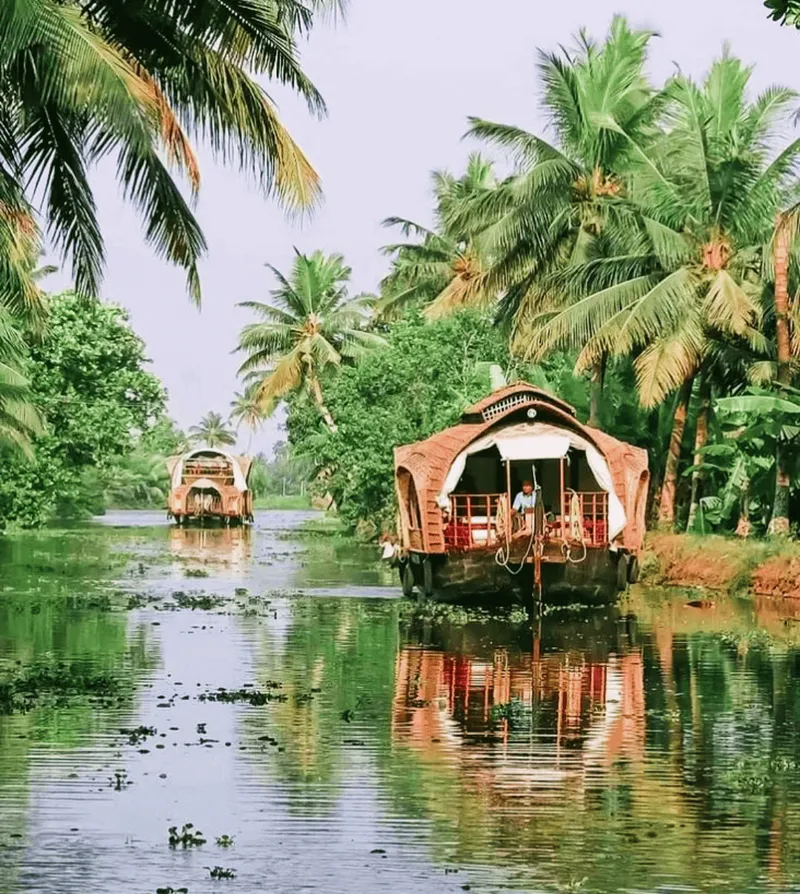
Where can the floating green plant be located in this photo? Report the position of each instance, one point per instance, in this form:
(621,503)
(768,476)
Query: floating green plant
(255,697)
(139,734)
(225,841)
(198,601)
(119,780)
(55,683)
(187,837)
(512,712)
(218,872)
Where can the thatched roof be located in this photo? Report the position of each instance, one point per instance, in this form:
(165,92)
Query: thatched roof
(429,461)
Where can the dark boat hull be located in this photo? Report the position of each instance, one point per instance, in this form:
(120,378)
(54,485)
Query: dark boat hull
(477,577)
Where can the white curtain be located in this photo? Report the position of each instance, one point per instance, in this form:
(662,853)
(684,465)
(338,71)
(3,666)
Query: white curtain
(238,476)
(601,472)
(538,440)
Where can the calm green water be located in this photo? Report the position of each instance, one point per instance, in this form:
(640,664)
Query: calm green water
(653,747)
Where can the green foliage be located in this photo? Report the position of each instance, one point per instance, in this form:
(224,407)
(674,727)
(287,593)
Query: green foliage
(309,327)
(417,385)
(787,12)
(741,460)
(89,380)
(212,431)
(84,80)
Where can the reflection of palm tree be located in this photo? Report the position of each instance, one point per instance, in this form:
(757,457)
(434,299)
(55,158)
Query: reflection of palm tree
(349,654)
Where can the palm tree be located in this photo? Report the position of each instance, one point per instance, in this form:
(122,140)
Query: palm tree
(137,81)
(212,431)
(687,283)
(442,271)
(246,410)
(20,421)
(557,205)
(786,12)
(309,328)
(784,236)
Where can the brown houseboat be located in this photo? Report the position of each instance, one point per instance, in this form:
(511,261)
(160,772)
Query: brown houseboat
(210,485)
(460,534)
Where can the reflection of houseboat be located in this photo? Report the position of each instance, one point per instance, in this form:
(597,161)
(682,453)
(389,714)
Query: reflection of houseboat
(210,485)
(452,697)
(459,530)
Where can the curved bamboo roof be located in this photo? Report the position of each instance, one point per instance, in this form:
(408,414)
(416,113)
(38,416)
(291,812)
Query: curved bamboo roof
(429,461)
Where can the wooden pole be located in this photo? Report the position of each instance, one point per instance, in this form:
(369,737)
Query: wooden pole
(561,500)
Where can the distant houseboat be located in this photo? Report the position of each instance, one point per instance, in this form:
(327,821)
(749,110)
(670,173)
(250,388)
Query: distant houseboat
(580,533)
(209,485)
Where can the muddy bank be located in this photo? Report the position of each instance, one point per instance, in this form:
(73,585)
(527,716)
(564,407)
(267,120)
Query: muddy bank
(725,564)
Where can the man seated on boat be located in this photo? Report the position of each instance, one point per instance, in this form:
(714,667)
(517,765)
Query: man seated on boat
(525,503)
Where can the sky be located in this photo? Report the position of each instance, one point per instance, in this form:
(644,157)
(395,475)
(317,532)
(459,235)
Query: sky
(400,78)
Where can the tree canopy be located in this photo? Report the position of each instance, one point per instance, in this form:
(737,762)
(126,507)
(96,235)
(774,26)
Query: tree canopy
(89,379)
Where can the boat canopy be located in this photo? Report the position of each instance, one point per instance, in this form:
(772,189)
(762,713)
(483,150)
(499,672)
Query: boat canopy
(536,441)
(239,478)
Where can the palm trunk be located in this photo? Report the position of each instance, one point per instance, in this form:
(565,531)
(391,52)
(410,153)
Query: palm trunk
(316,391)
(700,441)
(779,525)
(596,391)
(666,509)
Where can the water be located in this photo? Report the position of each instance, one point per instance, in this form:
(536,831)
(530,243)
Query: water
(652,747)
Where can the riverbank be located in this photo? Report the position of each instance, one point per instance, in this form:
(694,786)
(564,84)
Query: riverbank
(727,564)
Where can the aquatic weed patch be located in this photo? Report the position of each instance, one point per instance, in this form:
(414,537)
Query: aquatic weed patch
(441,612)
(247,695)
(514,713)
(754,638)
(758,775)
(198,601)
(219,872)
(55,683)
(139,734)
(187,837)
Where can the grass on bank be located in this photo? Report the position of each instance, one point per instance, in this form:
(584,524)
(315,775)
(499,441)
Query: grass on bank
(290,501)
(730,564)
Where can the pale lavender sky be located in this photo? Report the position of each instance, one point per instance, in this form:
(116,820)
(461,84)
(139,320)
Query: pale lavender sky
(400,78)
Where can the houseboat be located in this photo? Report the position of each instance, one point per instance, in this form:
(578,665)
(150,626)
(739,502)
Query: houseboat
(208,485)
(520,498)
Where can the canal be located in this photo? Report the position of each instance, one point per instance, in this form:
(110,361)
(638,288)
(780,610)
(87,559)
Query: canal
(267,696)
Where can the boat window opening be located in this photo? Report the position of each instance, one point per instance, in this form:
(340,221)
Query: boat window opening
(409,500)
(479,505)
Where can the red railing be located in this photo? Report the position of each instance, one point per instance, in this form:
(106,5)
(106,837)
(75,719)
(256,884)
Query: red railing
(472,521)
(593,515)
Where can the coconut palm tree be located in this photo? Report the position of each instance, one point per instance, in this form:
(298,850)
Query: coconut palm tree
(442,270)
(20,421)
(212,431)
(557,204)
(787,343)
(308,329)
(689,279)
(137,82)
(246,410)
(786,12)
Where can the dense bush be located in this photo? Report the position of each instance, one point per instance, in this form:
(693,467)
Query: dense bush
(89,380)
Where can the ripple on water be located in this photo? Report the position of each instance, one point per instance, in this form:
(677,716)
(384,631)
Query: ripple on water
(640,749)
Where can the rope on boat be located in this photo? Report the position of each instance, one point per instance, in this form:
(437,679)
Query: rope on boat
(577,534)
(503,554)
